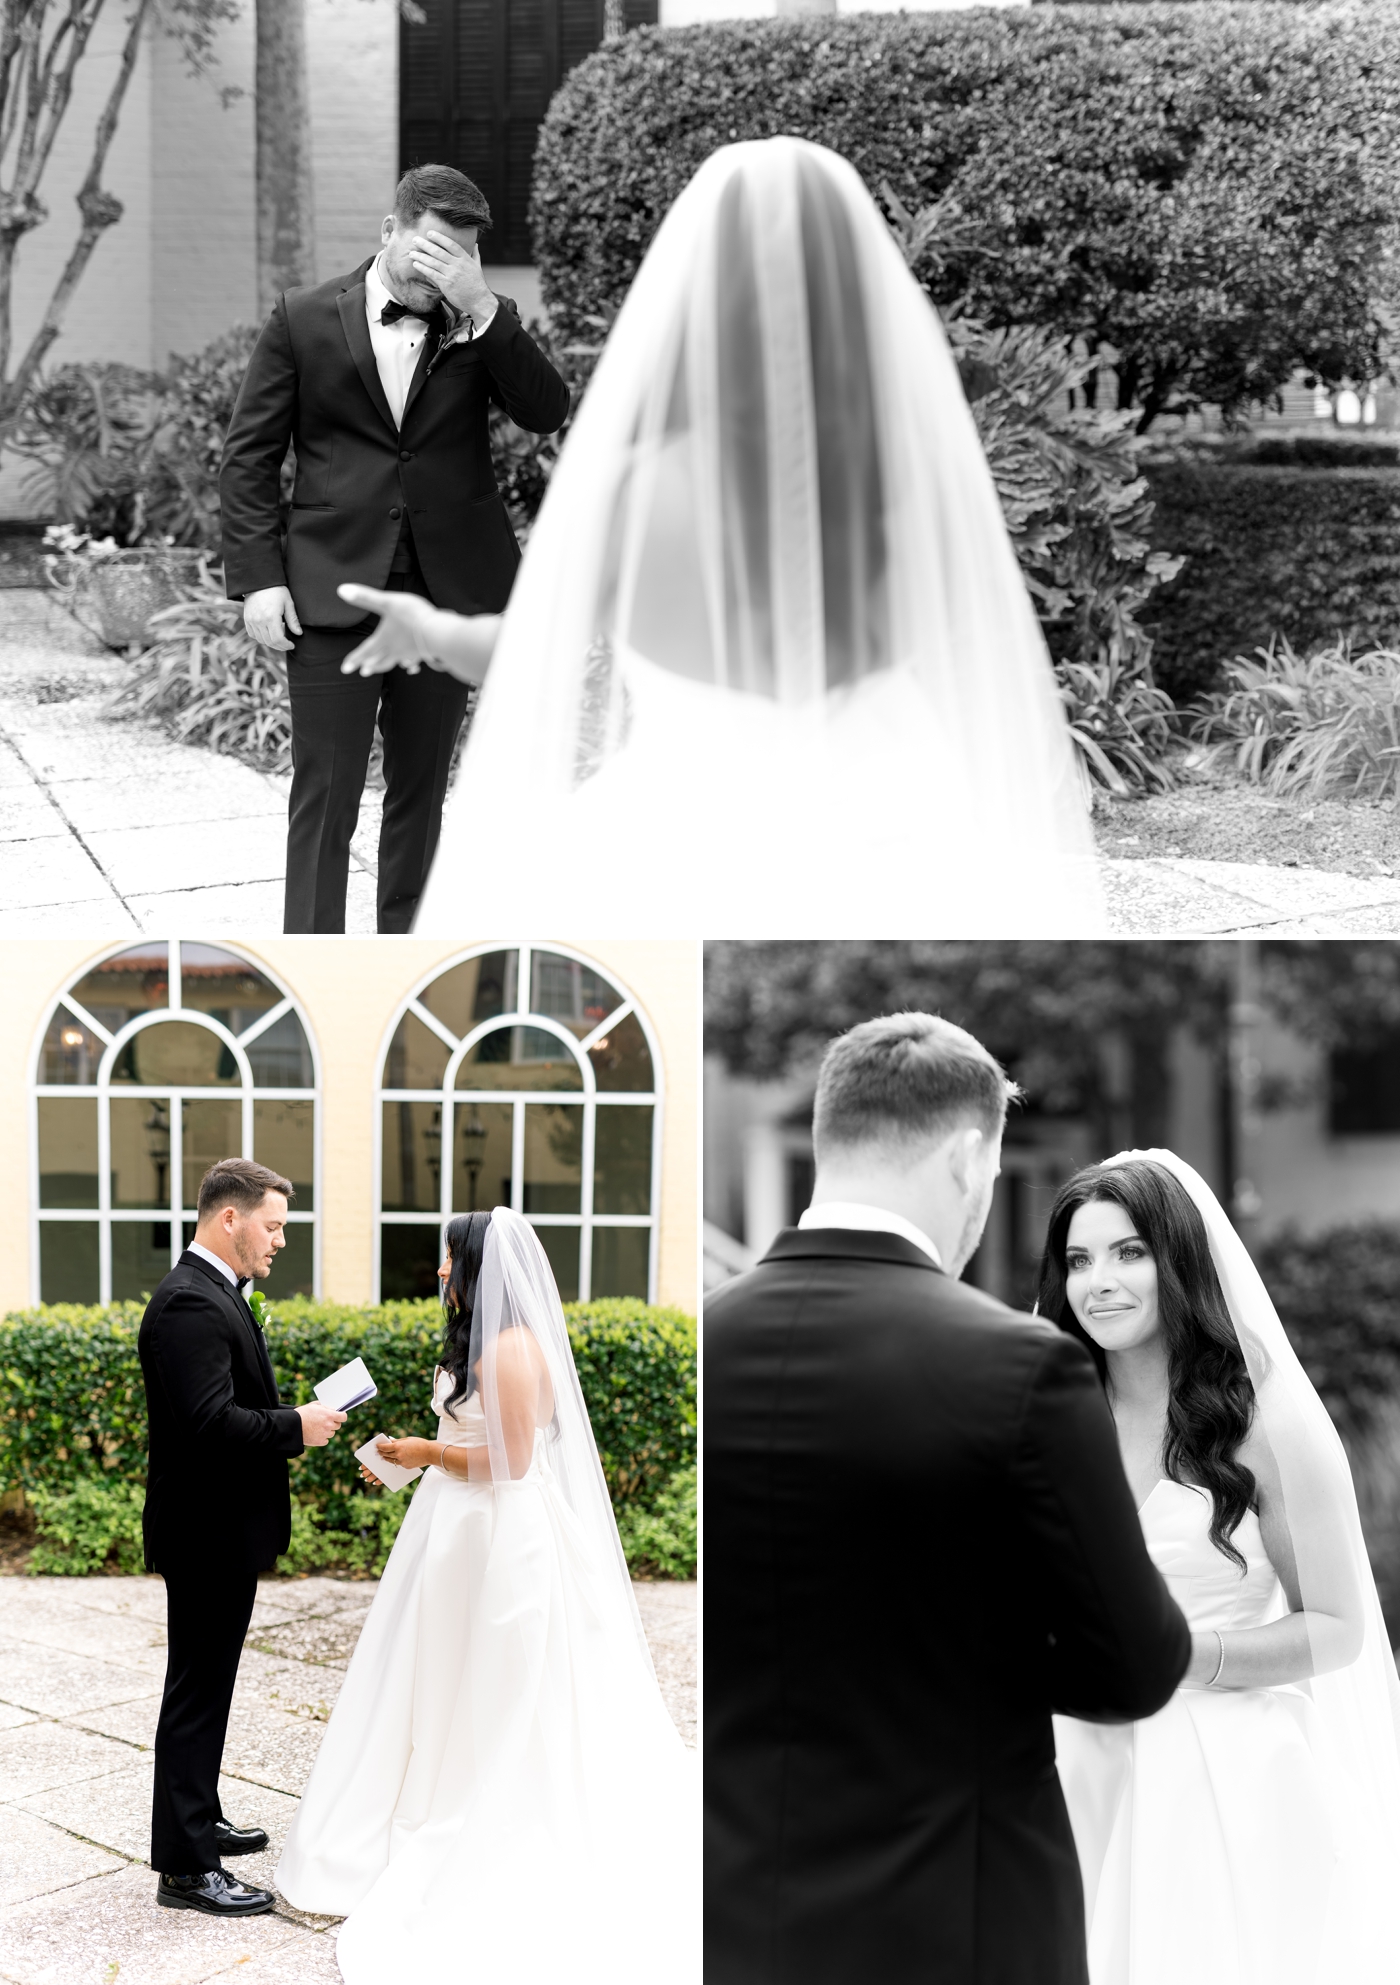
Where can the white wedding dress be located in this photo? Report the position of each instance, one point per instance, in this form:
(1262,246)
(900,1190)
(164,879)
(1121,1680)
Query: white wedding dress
(1206,1834)
(501,1793)
(1251,1836)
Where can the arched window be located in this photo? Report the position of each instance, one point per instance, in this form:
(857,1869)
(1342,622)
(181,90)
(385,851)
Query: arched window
(523,1078)
(152,1064)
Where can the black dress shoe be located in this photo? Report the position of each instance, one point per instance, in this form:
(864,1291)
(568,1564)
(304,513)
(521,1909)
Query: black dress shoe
(230,1839)
(215,1893)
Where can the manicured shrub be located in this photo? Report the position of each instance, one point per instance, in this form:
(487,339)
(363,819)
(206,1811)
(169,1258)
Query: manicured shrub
(73,1413)
(1296,554)
(664,1541)
(1204,191)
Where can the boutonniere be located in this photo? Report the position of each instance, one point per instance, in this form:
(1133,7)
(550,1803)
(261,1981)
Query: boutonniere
(257,1303)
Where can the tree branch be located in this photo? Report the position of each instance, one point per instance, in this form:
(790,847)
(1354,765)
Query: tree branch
(99,209)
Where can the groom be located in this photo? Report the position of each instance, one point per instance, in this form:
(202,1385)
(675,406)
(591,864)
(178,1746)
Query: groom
(919,1541)
(218,1512)
(383,381)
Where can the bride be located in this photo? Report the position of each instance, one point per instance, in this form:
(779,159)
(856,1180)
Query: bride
(770,659)
(501,1792)
(1249,1833)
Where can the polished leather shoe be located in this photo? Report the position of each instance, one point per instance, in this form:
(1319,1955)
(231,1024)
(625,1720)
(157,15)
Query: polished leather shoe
(215,1893)
(230,1839)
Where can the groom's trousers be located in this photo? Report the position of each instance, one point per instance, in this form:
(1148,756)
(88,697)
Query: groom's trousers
(333,720)
(208,1608)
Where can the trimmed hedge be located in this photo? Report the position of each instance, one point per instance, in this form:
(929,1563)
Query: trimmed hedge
(1206,190)
(1306,554)
(73,1409)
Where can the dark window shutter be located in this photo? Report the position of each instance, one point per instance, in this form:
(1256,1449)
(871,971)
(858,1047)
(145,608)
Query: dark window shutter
(475,80)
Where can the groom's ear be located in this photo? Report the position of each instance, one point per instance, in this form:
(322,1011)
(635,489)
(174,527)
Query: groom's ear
(964,1152)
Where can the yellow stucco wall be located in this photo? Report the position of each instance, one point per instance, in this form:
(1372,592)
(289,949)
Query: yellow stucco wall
(349,989)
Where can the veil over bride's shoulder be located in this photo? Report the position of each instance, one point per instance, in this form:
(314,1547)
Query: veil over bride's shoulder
(770,644)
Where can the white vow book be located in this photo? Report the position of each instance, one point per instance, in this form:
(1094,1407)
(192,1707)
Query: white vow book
(388,1472)
(350,1386)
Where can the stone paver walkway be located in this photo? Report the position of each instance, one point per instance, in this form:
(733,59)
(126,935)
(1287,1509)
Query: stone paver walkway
(81,1666)
(109,828)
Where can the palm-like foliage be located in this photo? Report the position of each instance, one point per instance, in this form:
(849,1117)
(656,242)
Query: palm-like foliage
(206,681)
(1310,725)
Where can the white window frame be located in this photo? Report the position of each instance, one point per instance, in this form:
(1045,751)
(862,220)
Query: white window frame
(588,1098)
(113,1044)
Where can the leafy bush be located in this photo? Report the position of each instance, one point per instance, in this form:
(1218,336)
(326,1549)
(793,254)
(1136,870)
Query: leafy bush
(73,1407)
(664,1541)
(1325,723)
(1077,511)
(135,455)
(1200,193)
(205,680)
(1286,554)
(87,1528)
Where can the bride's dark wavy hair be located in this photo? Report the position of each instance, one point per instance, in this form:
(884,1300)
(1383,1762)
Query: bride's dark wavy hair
(1210,1400)
(466,1242)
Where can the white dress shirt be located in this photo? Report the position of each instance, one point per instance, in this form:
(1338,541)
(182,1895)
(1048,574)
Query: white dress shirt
(871,1220)
(206,1254)
(396,345)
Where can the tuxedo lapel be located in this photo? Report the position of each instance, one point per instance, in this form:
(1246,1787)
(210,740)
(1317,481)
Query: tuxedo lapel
(420,374)
(351,305)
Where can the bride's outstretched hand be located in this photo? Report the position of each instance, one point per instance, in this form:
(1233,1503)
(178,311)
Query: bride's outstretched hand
(412,631)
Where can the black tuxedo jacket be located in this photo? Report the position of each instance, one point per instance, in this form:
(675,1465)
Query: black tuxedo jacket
(216,1480)
(919,1541)
(312,380)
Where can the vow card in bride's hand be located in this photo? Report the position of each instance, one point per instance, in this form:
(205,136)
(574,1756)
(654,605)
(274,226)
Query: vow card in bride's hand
(350,1386)
(388,1472)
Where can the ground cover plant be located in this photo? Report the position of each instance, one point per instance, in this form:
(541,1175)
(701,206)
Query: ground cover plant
(73,1426)
(1305,726)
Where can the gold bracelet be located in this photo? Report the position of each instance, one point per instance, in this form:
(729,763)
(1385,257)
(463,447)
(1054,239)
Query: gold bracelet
(442,1458)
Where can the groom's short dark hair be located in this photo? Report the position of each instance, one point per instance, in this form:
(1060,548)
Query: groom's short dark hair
(905,1079)
(241,1183)
(441,189)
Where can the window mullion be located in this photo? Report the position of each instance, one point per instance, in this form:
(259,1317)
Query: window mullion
(104,1197)
(517,1157)
(177,1174)
(585,1239)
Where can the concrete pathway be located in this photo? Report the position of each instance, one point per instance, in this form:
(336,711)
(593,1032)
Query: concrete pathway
(82,1662)
(110,828)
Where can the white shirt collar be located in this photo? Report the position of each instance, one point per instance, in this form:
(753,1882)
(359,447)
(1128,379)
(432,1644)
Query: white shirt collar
(871,1220)
(377,291)
(206,1255)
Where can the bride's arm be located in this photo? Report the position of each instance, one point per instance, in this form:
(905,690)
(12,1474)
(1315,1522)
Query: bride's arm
(519,1373)
(1325,1635)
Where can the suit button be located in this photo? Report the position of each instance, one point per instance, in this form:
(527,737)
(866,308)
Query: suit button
(405,455)
(394,512)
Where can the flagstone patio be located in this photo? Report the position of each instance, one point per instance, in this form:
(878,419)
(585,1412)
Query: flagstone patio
(81,1667)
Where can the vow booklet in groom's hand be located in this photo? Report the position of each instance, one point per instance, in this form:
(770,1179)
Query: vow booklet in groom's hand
(388,1472)
(350,1386)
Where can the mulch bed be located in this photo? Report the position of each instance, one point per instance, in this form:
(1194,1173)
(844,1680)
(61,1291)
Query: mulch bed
(1214,816)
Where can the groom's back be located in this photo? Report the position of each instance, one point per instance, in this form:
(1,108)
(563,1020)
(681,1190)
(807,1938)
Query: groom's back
(899,1478)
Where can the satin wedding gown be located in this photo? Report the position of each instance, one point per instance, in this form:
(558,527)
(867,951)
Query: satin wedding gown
(1208,1835)
(501,1793)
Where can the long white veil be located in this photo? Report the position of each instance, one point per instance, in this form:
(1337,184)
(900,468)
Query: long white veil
(770,665)
(516,1291)
(1356,1693)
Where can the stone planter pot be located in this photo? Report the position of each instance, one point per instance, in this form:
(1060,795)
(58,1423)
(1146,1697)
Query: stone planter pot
(115,596)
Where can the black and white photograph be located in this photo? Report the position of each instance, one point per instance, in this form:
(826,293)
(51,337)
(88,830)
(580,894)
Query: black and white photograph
(917,472)
(1051,1462)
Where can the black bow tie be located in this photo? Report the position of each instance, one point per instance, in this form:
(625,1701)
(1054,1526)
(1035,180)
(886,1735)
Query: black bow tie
(434,318)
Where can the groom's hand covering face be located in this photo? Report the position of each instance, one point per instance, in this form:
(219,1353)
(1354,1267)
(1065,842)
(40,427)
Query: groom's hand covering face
(428,260)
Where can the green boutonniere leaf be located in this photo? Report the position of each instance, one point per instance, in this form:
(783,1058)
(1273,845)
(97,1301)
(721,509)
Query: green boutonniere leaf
(257,1303)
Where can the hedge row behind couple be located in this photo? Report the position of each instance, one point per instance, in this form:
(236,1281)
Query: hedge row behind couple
(500,1772)
(1037,1650)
